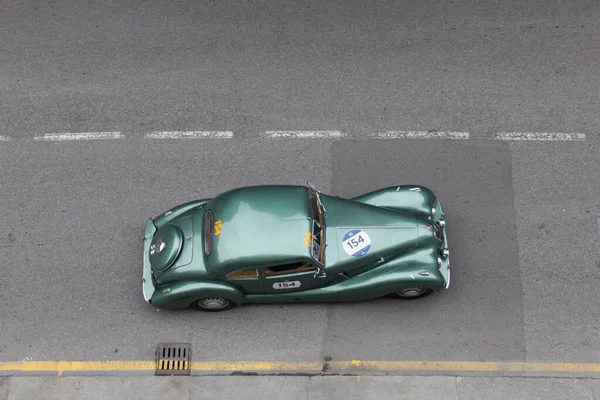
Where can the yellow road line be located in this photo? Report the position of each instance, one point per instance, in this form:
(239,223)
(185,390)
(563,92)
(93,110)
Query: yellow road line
(257,366)
(352,366)
(61,366)
(113,366)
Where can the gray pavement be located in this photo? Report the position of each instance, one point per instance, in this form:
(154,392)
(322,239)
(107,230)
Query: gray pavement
(305,388)
(87,65)
(481,316)
(556,202)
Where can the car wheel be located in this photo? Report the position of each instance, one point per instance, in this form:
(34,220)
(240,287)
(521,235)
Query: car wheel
(412,293)
(213,304)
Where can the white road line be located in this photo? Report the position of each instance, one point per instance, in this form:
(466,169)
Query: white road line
(4,138)
(302,134)
(538,136)
(80,136)
(543,136)
(420,135)
(189,135)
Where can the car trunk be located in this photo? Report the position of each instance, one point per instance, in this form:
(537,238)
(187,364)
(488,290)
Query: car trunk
(172,246)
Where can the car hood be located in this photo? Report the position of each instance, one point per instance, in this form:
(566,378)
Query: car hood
(360,233)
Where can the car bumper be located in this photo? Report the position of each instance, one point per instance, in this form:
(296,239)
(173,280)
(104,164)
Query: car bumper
(445,267)
(446,262)
(147,285)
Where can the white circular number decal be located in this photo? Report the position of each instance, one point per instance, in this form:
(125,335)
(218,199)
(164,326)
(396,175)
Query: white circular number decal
(356,243)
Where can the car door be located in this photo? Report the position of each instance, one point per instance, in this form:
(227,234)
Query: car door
(294,277)
(248,280)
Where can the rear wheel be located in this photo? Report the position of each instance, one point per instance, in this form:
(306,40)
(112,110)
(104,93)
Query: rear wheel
(213,304)
(412,293)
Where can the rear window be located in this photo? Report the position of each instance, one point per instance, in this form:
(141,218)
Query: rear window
(208,231)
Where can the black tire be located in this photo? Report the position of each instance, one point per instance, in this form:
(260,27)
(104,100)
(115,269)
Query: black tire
(212,304)
(412,293)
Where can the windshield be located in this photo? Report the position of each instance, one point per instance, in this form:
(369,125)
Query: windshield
(318,230)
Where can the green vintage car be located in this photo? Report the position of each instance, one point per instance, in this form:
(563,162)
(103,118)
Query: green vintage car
(282,243)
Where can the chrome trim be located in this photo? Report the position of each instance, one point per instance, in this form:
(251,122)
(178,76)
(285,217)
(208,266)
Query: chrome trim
(448,283)
(445,253)
(424,273)
(439,261)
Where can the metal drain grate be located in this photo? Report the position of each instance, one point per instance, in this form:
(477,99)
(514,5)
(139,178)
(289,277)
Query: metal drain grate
(173,359)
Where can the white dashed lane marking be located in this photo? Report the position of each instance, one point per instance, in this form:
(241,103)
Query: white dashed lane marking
(443,135)
(79,136)
(554,136)
(419,135)
(302,134)
(189,135)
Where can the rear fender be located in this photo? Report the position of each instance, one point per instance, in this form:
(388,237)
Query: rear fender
(182,294)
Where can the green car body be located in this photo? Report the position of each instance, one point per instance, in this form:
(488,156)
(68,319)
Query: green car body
(278,244)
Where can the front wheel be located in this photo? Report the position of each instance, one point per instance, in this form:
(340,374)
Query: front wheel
(412,293)
(213,304)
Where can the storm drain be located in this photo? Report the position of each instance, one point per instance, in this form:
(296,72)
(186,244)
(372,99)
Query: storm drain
(173,359)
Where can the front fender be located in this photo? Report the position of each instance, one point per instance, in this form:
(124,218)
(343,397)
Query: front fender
(411,198)
(418,268)
(182,294)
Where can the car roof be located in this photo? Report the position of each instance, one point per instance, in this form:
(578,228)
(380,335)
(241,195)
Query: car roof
(259,226)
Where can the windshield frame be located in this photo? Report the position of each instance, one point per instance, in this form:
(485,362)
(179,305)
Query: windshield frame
(318,227)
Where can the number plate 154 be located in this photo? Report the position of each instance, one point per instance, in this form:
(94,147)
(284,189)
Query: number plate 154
(286,285)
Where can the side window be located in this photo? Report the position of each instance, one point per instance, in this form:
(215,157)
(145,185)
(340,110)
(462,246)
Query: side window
(289,269)
(243,274)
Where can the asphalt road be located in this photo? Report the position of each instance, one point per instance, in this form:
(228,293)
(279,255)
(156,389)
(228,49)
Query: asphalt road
(523,216)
